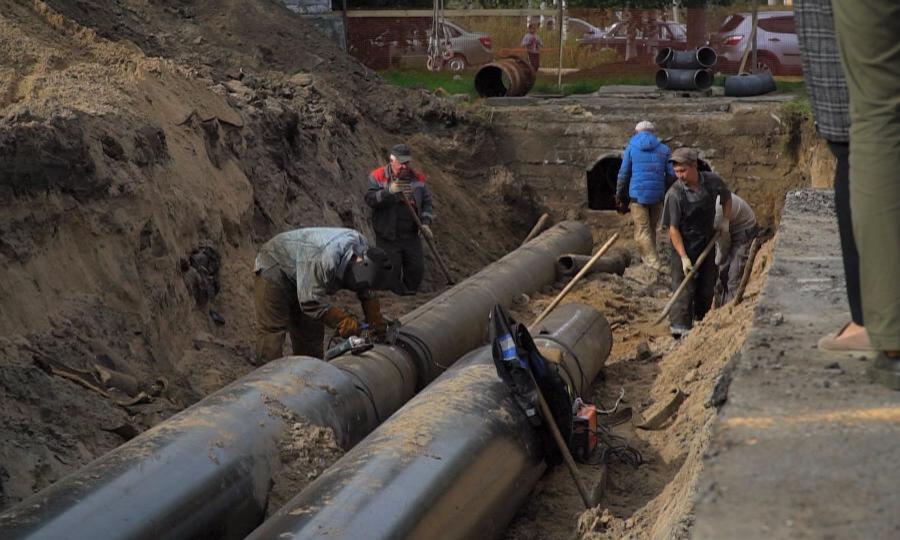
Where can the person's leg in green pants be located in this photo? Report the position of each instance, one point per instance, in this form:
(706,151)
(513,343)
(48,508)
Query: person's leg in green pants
(870,55)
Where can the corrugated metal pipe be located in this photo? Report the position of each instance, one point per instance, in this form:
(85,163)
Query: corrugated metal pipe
(684,79)
(207,471)
(455,462)
(613,262)
(703,57)
(749,85)
(504,77)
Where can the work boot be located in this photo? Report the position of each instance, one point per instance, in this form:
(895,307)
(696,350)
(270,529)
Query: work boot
(885,371)
(679,332)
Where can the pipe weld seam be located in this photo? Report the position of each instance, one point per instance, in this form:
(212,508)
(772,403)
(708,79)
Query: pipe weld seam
(361,386)
(568,350)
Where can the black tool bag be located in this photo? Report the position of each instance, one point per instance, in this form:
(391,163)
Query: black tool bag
(514,354)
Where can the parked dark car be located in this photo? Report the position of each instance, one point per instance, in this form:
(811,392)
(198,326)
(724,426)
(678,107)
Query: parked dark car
(778,50)
(649,37)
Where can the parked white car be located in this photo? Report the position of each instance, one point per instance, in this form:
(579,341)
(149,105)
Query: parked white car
(778,50)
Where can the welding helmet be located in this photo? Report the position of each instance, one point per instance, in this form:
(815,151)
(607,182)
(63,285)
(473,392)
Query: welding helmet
(371,272)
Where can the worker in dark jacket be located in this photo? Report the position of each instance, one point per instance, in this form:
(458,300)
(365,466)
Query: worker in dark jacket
(689,214)
(642,179)
(395,192)
(297,270)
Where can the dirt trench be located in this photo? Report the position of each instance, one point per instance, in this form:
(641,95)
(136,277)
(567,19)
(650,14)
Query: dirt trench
(151,148)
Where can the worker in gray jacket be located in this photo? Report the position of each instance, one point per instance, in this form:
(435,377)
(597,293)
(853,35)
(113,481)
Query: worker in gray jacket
(297,270)
(733,244)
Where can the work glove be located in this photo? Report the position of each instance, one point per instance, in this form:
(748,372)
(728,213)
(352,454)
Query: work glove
(344,324)
(686,264)
(372,310)
(426,232)
(621,205)
(401,185)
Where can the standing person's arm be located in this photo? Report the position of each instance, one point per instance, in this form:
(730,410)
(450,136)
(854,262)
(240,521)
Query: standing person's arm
(671,220)
(378,195)
(427,211)
(623,180)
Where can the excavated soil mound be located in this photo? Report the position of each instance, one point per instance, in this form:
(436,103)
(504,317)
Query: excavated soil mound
(147,149)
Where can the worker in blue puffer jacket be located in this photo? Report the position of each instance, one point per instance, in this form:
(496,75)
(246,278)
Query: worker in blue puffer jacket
(642,180)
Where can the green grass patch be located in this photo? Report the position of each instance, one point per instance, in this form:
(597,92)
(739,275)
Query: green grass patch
(452,83)
(798,107)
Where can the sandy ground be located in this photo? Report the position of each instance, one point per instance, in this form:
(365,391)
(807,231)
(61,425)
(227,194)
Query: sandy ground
(654,500)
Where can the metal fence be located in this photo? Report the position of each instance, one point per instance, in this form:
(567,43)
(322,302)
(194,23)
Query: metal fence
(617,41)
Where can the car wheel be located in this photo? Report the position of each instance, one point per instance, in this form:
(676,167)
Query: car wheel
(457,63)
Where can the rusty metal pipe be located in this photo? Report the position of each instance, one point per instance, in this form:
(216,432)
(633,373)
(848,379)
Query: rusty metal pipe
(504,77)
(455,462)
(206,472)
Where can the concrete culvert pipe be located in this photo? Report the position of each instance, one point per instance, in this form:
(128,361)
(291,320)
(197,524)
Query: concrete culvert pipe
(613,262)
(455,462)
(684,79)
(749,85)
(206,472)
(504,77)
(703,57)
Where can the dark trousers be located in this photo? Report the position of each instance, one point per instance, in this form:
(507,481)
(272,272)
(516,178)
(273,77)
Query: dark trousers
(535,60)
(696,298)
(278,312)
(732,269)
(408,260)
(841,152)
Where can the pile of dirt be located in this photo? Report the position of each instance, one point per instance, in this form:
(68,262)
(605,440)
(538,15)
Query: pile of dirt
(644,368)
(148,148)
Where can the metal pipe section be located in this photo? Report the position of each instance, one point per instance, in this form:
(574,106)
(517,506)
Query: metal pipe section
(455,462)
(614,262)
(504,77)
(206,472)
(439,332)
(703,57)
(684,79)
(745,85)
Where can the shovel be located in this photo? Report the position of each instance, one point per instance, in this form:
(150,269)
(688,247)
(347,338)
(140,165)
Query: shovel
(428,240)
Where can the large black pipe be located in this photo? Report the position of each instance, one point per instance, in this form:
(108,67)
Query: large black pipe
(439,332)
(684,79)
(703,57)
(455,462)
(206,472)
(749,85)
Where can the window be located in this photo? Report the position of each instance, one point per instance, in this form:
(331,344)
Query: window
(780,25)
(450,31)
(731,23)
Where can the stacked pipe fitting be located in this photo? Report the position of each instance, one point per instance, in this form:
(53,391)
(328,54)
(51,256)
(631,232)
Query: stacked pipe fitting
(685,70)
